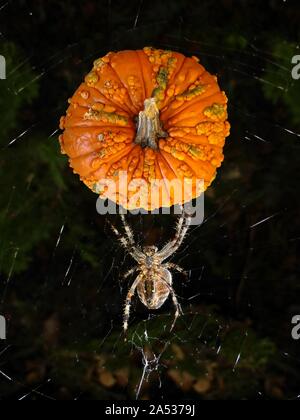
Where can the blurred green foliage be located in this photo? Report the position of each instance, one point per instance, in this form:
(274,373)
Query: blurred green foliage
(281,88)
(26,216)
(13,99)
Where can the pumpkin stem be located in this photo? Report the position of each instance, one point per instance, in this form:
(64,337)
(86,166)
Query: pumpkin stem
(149,127)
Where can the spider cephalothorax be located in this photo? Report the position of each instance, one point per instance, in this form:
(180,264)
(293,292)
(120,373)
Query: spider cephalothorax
(154,283)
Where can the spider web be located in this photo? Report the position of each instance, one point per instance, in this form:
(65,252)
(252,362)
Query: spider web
(74,348)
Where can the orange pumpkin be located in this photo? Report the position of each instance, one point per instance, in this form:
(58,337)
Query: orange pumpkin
(149,115)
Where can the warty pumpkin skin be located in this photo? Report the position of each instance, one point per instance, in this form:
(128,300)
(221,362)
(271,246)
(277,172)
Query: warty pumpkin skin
(150,114)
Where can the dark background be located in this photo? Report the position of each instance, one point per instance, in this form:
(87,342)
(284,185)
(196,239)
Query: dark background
(61,287)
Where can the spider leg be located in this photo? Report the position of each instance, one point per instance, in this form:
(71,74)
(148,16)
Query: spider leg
(129,297)
(171,266)
(181,231)
(128,244)
(130,272)
(128,230)
(178,310)
(124,242)
(136,253)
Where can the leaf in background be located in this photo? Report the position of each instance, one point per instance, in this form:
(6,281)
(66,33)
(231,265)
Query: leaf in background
(281,88)
(13,96)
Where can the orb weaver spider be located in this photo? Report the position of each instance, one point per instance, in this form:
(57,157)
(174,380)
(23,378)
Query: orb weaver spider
(154,282)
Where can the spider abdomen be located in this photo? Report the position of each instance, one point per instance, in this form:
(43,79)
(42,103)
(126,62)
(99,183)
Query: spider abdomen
(154,291)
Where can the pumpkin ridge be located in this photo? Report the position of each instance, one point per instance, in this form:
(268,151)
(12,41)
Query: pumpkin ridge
(168,163)
(158,169)
(97,145)
(196,92)
(99,125)
(190,142)
(139,171)
(116,105)
(172,112)
(84,155)
(174,76)
(140,159)
(83,95)
(185,163)
(92,123)
(142,73)
(130,76)
(134,110)
(130,173)
(119,155)
(118,109)
(206,167)
(200,72)
(171,197)
(146,73)
(101,116)
(185,106)
(173,99)
(162,176)
(95,86)
(127,109)
(99,112)
(162,63)
(161,161)
(197,114)
(80,130)
(167,102)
